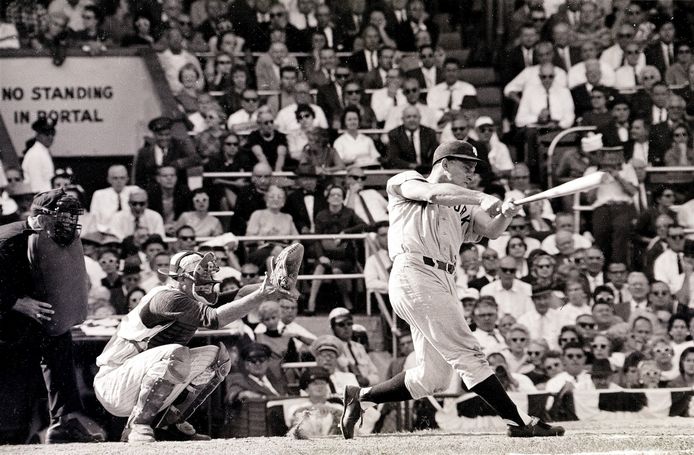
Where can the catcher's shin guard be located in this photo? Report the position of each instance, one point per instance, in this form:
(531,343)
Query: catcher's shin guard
(153,394)
(199,389)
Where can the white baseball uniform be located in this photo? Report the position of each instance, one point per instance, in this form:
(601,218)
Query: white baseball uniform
(425,295)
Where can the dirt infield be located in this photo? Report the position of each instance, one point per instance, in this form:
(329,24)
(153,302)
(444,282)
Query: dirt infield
(672,435)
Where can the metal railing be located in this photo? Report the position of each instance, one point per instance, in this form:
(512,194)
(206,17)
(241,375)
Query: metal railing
(377,172)
(555,142)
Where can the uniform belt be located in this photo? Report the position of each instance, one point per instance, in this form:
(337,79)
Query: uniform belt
(446,267)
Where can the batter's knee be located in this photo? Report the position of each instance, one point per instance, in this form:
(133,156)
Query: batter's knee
(421,385)
(177,364)
(223,362)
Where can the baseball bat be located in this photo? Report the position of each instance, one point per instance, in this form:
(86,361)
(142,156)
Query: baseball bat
(585,183)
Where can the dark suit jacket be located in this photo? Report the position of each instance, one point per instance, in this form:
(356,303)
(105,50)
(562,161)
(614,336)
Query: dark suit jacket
(417,74)
(338,37)
(405,38)
(181,196)
(581,98)
(357,62)
(297,209)
(574,55)
(328,100)
(372,79)
(400,151)
(350,29)
(237,425)
(15,275)
(478,283)
(610,136)
(654,56)
(511,64)
(181,155)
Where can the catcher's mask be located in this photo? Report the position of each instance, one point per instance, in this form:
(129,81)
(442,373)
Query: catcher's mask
(200,269)
(61,215)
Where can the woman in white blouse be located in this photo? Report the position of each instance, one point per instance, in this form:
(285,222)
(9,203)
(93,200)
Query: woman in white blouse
(355,148)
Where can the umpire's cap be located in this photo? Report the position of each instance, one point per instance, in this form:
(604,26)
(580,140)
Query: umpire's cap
(460,150)
(255,351)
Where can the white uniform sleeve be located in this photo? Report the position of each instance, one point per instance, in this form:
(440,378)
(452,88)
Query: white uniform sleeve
(393,184)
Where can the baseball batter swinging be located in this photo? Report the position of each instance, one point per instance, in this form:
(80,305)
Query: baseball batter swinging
(429,220)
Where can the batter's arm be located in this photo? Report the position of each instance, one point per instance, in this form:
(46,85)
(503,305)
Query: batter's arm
(492,228)
(447,194)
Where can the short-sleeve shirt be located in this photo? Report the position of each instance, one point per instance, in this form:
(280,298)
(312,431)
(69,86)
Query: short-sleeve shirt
(269,147)
(419,227)
(612,191)
(187,313)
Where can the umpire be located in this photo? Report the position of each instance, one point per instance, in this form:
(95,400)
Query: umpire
(34,270)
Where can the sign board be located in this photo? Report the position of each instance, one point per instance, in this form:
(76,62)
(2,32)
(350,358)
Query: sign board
(101,104)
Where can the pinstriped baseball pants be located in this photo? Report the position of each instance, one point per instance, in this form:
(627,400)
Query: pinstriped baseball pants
(425,298)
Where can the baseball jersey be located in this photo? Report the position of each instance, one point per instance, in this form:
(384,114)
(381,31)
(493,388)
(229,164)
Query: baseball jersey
(427,229)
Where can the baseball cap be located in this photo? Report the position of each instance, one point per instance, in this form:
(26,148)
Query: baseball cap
(160,124)
(255,350)
(327,343)
(339,314)
(313,374)
(484,120)
(469,293)
(456,149)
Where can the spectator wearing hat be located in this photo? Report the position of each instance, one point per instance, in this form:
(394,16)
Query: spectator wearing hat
(253,381)
(107,201)
(499,155)
(601,376)
(353,356)
(327,349)
(164,149)
(37,164)
(317,417)
(613,212)
(130,279)
(125,222)
(543,321)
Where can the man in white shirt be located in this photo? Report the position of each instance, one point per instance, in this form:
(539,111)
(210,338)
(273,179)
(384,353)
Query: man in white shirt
(564,221)
(73,9)
(37,164)
(411,90)
(174,57)
(627,75)
(304,16)
(574,374)
(542,321)
(485,314)
(377,266)
(449,94)
(368,204)
(385,99)
(126,221)
(614,55)
(577,73)
(286,121)
(638,287)
(519,187)
(107,201)
(511,294)
(245,119)
(353,357)
(639,135)
(544,54)
(613,201)
(595,261)
(660,96)
(669,267)
(546,103)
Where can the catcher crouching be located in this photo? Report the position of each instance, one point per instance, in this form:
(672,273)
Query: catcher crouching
(146,365)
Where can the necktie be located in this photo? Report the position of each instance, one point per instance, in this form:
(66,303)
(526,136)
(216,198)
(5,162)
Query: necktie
(680,268)
(670,54)
(120,207)
(137,222)
(450,98)
(395,100)
(549,107)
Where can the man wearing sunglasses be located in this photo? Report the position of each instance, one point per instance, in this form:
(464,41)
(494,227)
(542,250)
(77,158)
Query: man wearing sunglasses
(669,266)
(574,375)
(136,215)
(430,218)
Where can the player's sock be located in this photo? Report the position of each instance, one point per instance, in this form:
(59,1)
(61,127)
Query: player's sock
(391,390)
(491,391)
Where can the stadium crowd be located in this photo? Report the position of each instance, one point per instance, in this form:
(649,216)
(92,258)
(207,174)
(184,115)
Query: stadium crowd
(600,301)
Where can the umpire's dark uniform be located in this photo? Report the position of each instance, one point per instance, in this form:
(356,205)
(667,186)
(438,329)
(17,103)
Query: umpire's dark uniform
(24,343)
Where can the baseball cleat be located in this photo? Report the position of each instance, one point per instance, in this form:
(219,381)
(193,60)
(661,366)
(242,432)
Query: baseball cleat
(70,430)
(140,432)
(285,267)
(352,412)
(535,429)
(182,431)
